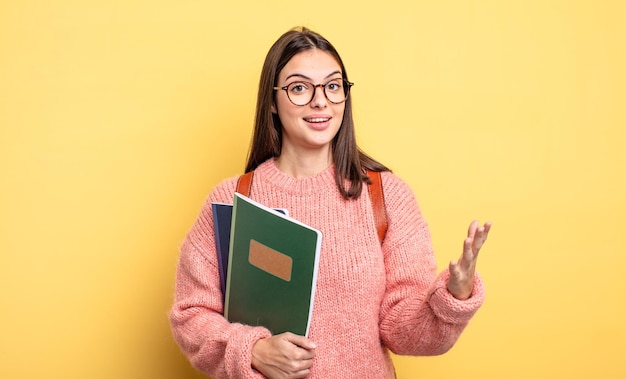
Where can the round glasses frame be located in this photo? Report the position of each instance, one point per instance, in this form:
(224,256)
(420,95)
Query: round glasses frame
(346,83)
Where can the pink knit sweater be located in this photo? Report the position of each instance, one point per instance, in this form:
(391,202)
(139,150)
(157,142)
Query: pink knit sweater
(369,299)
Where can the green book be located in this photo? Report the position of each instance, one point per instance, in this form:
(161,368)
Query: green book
(272,269)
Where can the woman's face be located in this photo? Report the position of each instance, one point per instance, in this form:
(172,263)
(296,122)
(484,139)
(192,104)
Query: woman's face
(314,125)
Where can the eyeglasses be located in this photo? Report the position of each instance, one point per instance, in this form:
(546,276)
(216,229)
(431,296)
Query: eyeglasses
(302,93)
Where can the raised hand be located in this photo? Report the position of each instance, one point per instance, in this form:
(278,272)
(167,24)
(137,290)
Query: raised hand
(461,282)
(285,355)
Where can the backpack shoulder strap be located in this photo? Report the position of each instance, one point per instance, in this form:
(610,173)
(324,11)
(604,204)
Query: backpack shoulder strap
(375,188)
(377,197)
(244,183)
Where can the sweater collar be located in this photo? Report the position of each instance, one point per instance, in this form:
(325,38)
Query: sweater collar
(320,182)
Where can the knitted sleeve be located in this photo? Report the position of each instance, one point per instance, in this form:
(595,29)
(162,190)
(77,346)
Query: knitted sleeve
(418,314)
(212,344)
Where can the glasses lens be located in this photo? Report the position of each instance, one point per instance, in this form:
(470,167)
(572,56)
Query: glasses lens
(300,93)
(336,91)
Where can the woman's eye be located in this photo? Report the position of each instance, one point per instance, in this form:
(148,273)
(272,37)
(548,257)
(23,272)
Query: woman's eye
(298,87)
(333,86)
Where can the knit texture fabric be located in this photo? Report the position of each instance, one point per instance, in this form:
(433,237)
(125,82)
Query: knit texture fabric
(369,298)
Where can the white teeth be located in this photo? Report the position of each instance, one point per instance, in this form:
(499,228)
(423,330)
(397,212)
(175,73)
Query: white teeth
(319,119)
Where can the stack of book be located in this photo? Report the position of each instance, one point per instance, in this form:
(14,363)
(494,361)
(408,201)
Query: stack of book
(268,265)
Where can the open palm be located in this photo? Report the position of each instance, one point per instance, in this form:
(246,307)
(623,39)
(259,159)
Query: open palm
(461,282)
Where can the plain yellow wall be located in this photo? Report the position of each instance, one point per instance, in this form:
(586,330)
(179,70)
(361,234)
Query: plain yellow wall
(118,117)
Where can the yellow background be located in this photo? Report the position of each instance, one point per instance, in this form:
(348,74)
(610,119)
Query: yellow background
(118,117)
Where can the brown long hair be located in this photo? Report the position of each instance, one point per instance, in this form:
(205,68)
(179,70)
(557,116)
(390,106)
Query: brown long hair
(350,161)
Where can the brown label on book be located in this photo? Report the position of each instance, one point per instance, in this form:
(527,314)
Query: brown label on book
(269,260)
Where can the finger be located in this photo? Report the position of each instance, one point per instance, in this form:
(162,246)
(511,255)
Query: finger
(467,248)
(481,236)
(298,365)
(303,355)
(466,257)
(306,364)
(454,270)
(452,264)
(486,227)
(301,374)
(300,341)
(471,231)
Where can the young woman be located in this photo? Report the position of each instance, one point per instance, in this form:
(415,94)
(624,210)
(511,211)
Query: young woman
(371,297)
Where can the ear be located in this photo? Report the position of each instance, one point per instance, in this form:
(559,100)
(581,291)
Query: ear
(273,108)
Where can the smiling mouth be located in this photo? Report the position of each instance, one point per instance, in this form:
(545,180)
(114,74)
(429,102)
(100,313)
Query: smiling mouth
(317,119)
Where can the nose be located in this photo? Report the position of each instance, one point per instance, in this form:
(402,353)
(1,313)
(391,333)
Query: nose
(319,97)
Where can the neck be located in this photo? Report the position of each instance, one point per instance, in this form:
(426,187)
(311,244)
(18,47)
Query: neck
(301,164)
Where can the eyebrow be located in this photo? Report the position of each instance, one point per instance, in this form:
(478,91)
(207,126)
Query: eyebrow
(307,78)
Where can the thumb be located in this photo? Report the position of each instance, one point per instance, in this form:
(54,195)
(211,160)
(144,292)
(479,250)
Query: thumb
(452,267)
